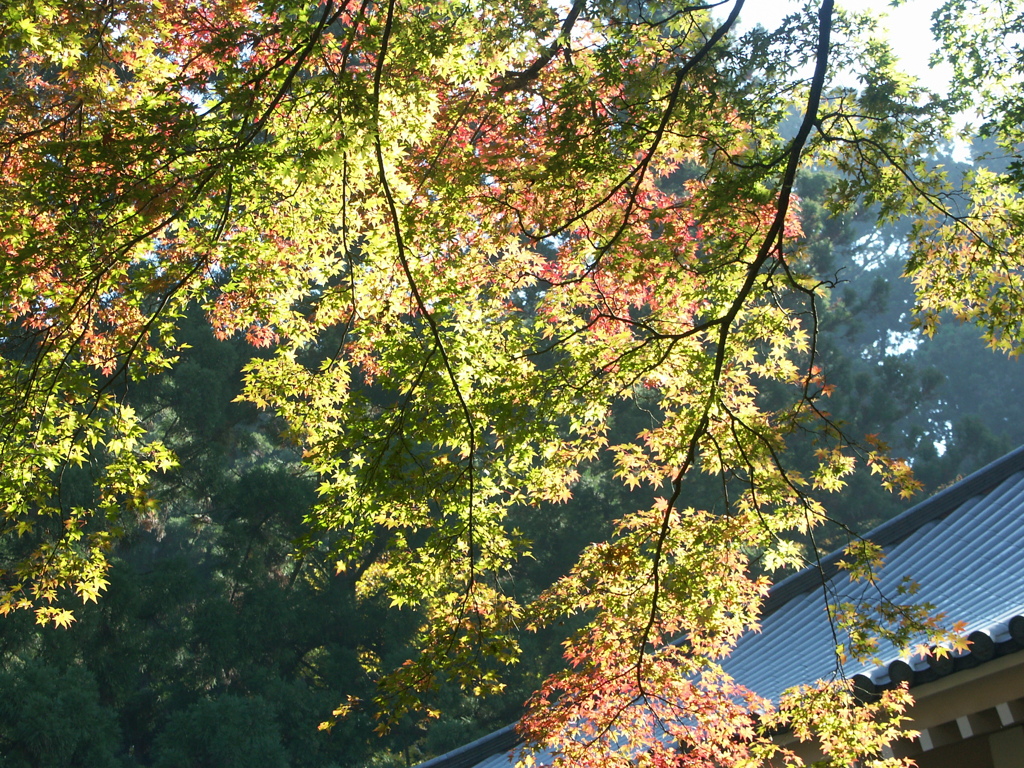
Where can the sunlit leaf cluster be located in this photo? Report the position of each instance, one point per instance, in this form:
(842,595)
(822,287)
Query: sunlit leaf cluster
(460,234)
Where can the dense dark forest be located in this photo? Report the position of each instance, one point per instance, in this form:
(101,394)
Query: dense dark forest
(227,634)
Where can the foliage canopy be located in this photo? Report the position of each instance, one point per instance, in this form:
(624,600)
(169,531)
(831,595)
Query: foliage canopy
(460,233)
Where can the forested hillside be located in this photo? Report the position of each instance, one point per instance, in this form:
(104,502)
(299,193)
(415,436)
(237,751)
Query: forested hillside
(376,374)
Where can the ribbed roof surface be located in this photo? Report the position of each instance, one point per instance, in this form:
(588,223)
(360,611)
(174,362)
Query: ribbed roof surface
(490,750)
(505,759)
(963,546)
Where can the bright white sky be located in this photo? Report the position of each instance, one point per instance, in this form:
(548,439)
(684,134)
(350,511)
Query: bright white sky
(909,26)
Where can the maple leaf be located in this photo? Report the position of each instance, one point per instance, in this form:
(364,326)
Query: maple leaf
(502,220)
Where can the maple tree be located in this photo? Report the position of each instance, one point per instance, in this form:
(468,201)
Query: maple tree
(461,232)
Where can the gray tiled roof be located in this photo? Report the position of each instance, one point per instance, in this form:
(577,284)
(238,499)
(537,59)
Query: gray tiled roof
(494,746)
(963,546)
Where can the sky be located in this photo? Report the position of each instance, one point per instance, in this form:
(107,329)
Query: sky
(909,26)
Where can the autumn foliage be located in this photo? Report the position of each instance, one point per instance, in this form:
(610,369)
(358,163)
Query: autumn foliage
(499,219)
